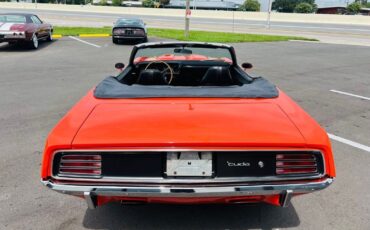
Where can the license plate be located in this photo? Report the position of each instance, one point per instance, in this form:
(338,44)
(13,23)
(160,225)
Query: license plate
(129,32)
(194,164)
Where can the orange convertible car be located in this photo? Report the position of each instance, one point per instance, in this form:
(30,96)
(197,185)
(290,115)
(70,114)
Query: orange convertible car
(184,123)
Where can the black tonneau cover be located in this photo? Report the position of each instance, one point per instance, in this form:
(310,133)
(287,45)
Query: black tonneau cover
(258,88)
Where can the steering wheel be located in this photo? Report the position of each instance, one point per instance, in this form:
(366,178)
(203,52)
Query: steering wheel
(165,71)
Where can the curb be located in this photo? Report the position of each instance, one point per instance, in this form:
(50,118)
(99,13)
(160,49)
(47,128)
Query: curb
(83,35)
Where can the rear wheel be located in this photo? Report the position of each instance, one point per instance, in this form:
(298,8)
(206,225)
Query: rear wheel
(115,40)
(34,43)
(50,36)
(145,39)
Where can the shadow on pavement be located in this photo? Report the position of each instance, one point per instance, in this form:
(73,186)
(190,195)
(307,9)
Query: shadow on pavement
(24,47)
(116,216)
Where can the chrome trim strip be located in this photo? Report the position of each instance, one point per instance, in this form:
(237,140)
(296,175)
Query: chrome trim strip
(161,180)
(193,191)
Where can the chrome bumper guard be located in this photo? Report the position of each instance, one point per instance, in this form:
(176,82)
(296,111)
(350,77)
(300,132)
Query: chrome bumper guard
(285,190)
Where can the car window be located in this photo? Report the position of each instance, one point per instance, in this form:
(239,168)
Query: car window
(36,20)
(13,18)
(128,21)
(183,53)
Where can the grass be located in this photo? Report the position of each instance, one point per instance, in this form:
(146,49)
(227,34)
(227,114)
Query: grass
(206,36)
(201,36)
(75,31)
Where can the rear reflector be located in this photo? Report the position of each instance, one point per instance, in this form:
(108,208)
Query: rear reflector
(287,164)
(80,166)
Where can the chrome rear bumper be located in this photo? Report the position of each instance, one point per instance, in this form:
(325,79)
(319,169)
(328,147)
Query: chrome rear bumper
(90,192)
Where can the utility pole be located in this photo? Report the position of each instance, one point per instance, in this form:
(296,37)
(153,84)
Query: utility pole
(187,19)
(269,14)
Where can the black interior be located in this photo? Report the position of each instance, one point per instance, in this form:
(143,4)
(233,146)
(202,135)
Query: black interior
(185,73)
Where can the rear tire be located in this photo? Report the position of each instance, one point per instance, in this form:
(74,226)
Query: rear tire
(50,37)
(34,43)
(145,40)
(115,40)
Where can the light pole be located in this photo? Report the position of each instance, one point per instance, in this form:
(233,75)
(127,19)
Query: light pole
(187,18)
(269,14)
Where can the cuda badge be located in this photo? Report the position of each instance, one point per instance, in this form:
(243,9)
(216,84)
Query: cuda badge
(238,164)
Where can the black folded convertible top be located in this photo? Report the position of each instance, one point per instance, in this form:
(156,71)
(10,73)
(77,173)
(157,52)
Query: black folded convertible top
(258,88)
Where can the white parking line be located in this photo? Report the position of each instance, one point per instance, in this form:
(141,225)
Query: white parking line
(349,94)
(88,43)
(349,142)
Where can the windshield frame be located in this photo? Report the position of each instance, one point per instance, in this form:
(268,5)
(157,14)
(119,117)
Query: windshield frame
(180,45)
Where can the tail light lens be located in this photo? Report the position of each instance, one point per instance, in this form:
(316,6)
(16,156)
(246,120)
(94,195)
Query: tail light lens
(291,164)
(139,32)
(80,166)
(118,31)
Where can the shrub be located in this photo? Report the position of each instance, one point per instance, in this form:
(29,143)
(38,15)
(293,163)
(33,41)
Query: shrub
(103,2)
(164,2)
(288,6)
(148,3)
(354,8)
(304,8)
(250,5)
(116,2)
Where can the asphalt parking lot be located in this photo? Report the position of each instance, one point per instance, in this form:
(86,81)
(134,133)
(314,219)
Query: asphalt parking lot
(38,87)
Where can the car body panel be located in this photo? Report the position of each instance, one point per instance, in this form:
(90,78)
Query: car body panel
(187,123)
(76,131)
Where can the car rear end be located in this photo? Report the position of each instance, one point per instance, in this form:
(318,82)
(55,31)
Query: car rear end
(187,152)
(128,33)
(13,28)
(188,176)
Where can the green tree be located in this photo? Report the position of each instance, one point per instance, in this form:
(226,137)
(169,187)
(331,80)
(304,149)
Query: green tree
(288,6)
(250,5)
(304,8)
(354,8)
(116,2)
(148,3)
(103,2)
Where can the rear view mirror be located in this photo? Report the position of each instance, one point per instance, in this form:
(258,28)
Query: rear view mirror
(119,66)
(247,65)
(182,51)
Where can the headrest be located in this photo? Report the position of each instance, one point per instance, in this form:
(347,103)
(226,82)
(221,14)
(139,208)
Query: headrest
(217,76)
(151,77)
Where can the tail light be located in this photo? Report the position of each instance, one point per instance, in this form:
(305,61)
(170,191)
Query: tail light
(288,164)
(80,165)
(139,32)
(118,31)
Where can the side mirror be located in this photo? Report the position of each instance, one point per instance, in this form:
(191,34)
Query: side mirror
(119,66)
(247,65)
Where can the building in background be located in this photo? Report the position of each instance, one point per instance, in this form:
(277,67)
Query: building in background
(208,4)
(234,4)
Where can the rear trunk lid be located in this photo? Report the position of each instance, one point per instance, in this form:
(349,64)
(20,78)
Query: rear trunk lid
(184,124)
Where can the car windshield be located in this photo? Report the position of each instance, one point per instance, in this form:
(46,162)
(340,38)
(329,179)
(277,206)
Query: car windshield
(184,53)
(13,18)
(128,21)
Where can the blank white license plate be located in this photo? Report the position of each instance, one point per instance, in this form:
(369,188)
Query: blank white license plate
(189,164)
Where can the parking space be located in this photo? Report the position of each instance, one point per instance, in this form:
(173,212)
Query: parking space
(38,87)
